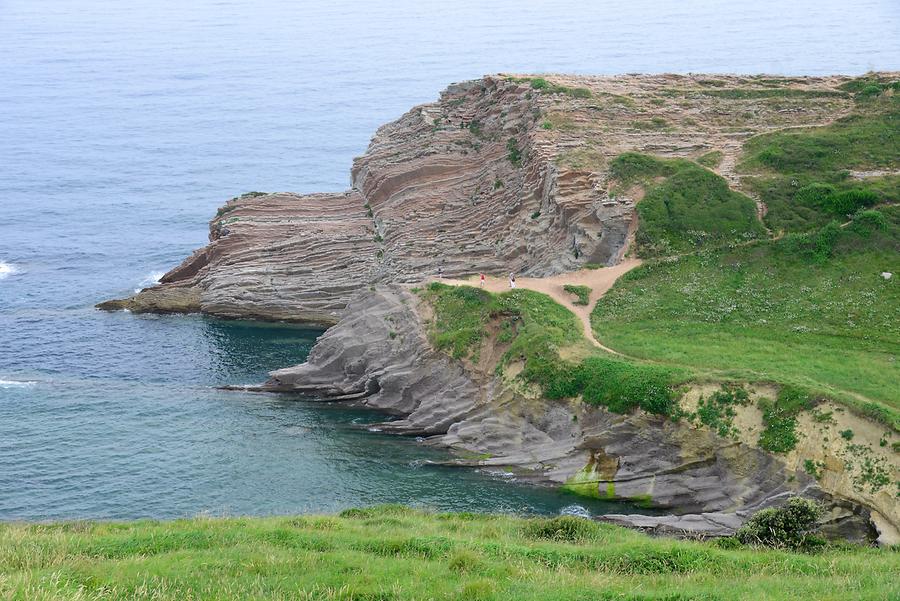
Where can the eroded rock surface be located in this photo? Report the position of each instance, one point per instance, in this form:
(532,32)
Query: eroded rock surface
(379,357)
(497,176)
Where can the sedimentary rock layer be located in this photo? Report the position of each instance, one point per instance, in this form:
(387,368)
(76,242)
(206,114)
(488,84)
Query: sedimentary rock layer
(499,175)
(379,357)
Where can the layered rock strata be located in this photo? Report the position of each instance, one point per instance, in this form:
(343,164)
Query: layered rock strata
(496,176)
(379,356)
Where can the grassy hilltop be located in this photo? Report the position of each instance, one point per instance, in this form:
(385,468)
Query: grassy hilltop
(805,305)
(394,553)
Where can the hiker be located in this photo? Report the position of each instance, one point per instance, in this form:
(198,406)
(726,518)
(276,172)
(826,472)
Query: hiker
(441,272)
(512,280)
(482,280)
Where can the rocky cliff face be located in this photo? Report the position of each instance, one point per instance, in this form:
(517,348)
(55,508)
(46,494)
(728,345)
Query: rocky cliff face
(496,176)
(505,174)
(379,356)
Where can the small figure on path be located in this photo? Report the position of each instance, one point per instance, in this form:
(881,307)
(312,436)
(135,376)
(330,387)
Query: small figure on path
(482,280)
(512,280)
(441,272)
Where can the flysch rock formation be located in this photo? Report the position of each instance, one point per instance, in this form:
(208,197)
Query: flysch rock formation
(496,177)
(500,175)
(379,356)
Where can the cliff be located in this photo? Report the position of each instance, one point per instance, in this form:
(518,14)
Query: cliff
(543,177)
(501,174)
(379,356)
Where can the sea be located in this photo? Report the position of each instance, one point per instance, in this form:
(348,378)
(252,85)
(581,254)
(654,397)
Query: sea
(124,125)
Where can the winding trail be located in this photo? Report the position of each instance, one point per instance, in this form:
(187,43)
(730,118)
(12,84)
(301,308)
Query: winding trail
(598,280)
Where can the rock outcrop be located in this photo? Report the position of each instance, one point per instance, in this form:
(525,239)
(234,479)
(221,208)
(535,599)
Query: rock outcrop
(496,176)
(379,356)
(505,174)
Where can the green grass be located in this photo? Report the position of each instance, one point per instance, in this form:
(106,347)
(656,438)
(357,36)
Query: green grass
(542,85)
(799,311)
(780,419)
(394,553)
(685,206)
(535,328)
(711,159)
(757,94)
(582,293)
(790,169)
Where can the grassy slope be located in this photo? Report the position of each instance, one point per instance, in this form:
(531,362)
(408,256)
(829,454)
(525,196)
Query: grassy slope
(396,553)
(535,328)
(810,309)
(762,313)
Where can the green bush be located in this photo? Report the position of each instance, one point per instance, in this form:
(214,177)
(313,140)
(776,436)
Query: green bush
(690,208)
(582,293)
(623,386)
(718,411)
(513,153)
(566,528)
(866,223)
(849,201)
(780,419)
(790,526)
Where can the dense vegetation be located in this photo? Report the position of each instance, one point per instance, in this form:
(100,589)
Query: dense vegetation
(533,329)
(395,553)
(582,293)
(685,206)
(803,175)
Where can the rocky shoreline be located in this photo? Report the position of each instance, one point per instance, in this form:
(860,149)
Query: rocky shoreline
(379,356)
(506,174)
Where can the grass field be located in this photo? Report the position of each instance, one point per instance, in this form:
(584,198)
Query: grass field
(797,311)
(395,553)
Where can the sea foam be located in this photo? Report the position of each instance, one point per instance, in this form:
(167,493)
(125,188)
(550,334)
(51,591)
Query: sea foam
(17,383)
(7,269)
(152,279)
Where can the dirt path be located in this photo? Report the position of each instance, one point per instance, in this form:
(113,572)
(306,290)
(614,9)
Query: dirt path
(599,281)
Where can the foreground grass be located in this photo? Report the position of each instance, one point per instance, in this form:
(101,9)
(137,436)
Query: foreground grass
(390,552)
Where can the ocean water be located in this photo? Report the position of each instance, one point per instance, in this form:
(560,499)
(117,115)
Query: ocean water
(124,125)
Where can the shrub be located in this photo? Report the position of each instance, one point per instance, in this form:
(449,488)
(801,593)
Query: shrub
(847,434)
(536,214)
(849,201)
(780,419)
(582,293)
(866,223)
(718,411)
(622,387)
(513,152)
(691,207)
(789,526)
(566,528)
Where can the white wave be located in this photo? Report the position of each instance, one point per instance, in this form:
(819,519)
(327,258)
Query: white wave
(152,279)
(7,269)
(17,383)
(576,511)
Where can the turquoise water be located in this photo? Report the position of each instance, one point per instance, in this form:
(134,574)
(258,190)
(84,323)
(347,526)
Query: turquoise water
(125,125)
